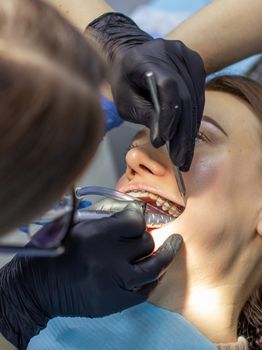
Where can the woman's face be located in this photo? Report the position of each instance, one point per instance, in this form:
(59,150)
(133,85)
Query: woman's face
(223,185)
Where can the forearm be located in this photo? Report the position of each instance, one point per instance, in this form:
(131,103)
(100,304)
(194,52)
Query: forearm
(224,32)
(5,345)
(81,12)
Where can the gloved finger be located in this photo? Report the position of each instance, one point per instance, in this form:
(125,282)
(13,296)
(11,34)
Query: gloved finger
(151,268)
(139,248)
(132,104)
(185,71)
(169,89)
(146,290)
(162,126)
(188,144)
(188,157)
(182,140)
(188,127)
(129,223)
(130,93)
(192,60)
(136,296)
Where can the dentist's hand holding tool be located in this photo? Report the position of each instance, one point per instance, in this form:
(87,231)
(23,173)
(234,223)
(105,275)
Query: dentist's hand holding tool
(105,262)
(180,79)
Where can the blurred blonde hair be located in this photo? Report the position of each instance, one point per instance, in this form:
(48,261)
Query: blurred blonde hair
(50,115)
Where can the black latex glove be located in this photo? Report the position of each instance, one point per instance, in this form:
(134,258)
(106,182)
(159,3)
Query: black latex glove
(180,79)
(95,277)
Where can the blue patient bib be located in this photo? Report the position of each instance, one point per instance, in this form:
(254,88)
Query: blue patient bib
(142,327)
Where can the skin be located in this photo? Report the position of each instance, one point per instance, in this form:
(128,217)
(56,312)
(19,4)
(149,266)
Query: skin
(5,345)
(218,22)
(234,26)
(81,12)
(220,263)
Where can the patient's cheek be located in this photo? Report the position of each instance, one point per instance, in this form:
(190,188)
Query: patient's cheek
(205,173)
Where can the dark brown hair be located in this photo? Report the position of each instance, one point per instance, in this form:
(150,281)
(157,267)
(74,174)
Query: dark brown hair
(250,320)
(50,115)
(245,88)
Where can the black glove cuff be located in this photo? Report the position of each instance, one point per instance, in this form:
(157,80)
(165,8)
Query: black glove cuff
(114,31)
(19,318)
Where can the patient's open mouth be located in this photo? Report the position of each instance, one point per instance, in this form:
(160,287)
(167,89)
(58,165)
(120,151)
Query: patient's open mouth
(160,211)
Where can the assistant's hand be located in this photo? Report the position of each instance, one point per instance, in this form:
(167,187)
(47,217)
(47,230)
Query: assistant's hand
(180,79)
(95,277)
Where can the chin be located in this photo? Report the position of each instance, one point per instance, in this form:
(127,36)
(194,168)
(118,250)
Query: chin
(161,234)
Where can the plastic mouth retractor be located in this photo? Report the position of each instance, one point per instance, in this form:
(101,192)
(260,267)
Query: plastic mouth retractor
(154,217)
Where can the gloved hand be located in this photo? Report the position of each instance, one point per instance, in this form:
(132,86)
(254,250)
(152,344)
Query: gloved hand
(95,277)
(180,79)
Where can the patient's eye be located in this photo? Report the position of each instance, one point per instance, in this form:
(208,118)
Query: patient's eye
(202,137)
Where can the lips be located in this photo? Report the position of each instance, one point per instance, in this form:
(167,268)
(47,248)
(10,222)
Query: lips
(165,203)
(135,186)
(157,201)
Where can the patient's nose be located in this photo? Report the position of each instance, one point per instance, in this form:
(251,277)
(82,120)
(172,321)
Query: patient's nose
(139,162)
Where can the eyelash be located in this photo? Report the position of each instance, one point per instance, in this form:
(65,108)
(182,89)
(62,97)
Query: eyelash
(201,136)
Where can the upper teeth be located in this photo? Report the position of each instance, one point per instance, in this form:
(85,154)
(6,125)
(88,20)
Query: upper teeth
(160,202)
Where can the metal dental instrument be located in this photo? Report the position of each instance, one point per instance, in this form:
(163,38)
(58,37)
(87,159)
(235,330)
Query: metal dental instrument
(155,130)
(153,216)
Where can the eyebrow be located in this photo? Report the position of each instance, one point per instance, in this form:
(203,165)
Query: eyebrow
(141,133)
(208,119)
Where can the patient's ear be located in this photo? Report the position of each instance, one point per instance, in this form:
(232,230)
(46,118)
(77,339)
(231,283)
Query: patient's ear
(259,223)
